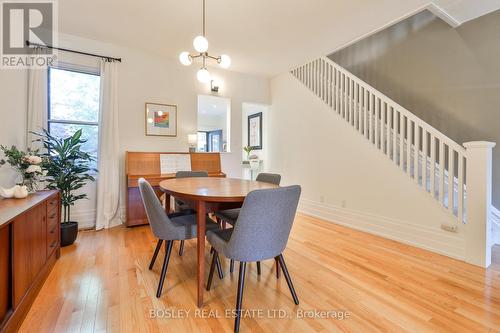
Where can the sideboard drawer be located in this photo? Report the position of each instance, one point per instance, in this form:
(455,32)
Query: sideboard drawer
(52,203)
(52,239)
(52,219)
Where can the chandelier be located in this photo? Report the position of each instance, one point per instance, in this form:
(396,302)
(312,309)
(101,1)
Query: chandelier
(200,44)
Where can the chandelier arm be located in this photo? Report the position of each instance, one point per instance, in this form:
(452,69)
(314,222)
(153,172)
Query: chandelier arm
(212,57)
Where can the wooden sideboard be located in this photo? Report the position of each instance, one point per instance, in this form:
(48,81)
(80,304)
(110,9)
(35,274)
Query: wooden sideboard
(148,165)
(29,247)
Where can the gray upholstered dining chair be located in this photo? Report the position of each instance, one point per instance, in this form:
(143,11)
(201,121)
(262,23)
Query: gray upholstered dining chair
(231,215)
(261,232)
(169,228)
(181,206)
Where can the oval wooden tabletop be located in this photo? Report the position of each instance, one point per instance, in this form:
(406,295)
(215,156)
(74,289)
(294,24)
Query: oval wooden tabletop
(212,189)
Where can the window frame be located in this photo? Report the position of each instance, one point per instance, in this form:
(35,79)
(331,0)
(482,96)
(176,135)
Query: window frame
(70,122)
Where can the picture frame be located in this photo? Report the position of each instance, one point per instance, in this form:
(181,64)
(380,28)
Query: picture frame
(255,131)
(160,119)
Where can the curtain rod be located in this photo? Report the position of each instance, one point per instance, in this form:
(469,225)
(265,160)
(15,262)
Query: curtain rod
(28,43)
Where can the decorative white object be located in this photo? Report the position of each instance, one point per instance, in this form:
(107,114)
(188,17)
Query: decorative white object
(254,164)
(20,192)
(200,44)
(8,193)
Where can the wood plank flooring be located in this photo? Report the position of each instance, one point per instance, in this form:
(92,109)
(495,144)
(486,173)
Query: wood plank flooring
(102,284)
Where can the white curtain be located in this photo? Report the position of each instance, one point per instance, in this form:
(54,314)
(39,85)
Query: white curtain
(37,102)
(108,179)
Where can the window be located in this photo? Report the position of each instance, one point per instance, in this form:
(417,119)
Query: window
(210,141)
(73,105)
(213,124)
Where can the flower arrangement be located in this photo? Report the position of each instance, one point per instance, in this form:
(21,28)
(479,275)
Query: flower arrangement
(26,163)
(248,150)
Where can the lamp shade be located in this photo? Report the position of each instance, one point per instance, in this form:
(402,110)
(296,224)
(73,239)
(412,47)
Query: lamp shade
(192,139)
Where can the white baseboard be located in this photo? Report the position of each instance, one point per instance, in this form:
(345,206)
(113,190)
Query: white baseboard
(86,219)
(432,239)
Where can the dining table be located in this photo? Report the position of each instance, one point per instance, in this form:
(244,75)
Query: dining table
(208,195)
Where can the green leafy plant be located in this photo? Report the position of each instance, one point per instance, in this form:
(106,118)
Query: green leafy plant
(28,164)
(248,150)
(67,167)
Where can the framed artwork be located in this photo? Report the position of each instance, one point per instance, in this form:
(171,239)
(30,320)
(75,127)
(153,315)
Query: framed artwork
(255,131)
(161,119)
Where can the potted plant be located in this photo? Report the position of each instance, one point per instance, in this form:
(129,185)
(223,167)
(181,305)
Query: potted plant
(27,164)
(248,150)
(67,169)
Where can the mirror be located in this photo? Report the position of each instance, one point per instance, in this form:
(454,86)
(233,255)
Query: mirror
(213,124)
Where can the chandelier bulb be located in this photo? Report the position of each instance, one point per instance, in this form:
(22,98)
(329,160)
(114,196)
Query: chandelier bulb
(203,75)
(200,44)
(185,59)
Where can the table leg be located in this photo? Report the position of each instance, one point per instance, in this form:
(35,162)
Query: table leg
(167,203)
(201,220)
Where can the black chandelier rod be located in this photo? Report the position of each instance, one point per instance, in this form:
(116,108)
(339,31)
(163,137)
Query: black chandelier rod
(28,43)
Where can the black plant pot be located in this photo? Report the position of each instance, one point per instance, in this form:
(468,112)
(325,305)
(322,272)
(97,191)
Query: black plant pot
(69,231)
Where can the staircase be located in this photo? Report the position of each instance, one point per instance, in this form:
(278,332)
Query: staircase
(435,163)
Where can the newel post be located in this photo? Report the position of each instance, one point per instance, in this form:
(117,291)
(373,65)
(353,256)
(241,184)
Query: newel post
(478,202)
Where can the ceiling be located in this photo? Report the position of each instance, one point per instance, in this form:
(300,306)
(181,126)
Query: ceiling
(263,37)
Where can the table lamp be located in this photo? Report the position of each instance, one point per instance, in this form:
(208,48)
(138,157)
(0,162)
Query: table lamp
(192,140)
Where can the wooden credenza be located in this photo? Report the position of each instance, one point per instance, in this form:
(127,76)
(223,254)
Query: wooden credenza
(29,247)
(148,165)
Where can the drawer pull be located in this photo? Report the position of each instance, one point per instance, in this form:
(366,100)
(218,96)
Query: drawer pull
(53,215)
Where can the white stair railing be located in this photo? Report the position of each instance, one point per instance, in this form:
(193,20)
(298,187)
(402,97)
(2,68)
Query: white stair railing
(416,147)
(438,165)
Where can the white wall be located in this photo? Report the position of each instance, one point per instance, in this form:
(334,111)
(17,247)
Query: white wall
(344,179)
(143,77)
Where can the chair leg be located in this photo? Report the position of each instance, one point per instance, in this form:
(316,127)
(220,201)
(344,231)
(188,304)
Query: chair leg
(288,279)
(231,266)
(258,267)
(168,250)
(277,267)
(219,267)
(155,254)
(239,297)
(181,248)
(215,256)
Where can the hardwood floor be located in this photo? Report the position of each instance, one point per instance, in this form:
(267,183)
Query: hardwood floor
(102,284)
